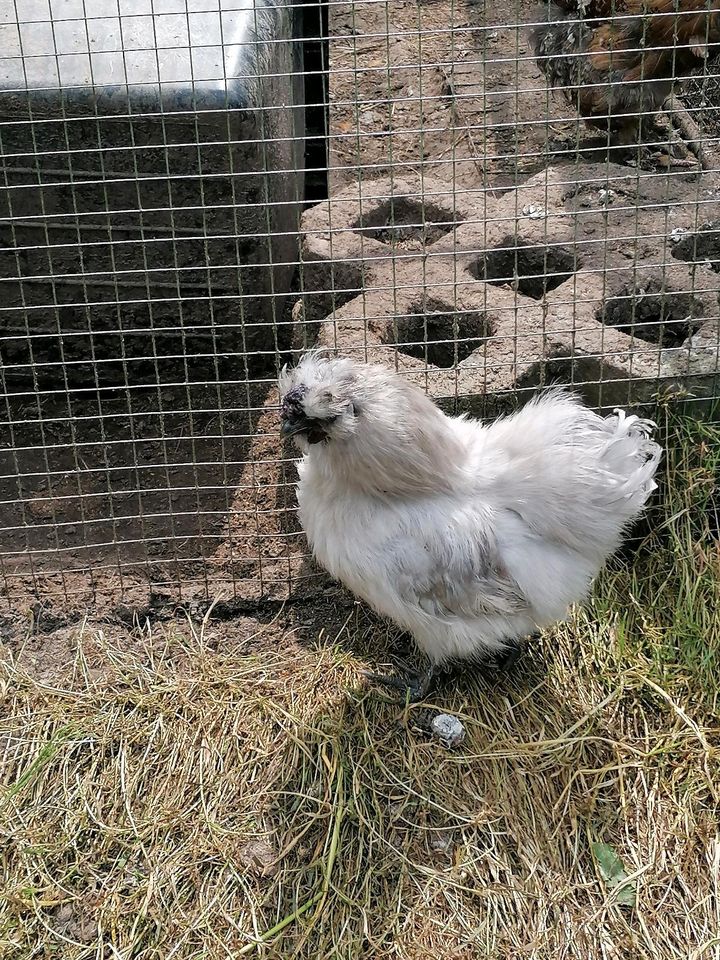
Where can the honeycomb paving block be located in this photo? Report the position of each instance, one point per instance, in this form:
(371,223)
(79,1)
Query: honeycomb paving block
(696,362)
(593,275)
(348,239)
(409,213)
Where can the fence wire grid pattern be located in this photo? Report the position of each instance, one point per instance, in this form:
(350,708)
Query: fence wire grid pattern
(488,197)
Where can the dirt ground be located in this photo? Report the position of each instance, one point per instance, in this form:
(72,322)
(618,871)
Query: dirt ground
(442,88)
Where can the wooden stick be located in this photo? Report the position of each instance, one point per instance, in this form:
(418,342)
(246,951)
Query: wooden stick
(690,131)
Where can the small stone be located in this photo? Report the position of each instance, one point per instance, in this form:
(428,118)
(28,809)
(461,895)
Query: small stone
(448,730)
(606,196)
(533,212)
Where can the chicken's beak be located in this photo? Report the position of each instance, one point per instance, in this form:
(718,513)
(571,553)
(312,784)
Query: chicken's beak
(291,426)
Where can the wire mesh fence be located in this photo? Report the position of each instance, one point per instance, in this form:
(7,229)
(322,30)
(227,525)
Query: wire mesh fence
(487,197)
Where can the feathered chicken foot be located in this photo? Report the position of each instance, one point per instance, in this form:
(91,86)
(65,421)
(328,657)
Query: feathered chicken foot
(506,660)
(649,143)
(415,686)
(632,141)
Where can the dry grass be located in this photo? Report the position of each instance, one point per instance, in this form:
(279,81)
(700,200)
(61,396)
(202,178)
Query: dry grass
(173,795)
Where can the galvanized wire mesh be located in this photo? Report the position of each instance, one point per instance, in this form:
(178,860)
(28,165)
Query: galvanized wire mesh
(166,244)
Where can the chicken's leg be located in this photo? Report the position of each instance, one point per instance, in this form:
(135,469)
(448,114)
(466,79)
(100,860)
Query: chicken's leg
(514,651)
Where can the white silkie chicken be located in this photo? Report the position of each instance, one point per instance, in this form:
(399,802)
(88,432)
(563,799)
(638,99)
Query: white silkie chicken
(468,536)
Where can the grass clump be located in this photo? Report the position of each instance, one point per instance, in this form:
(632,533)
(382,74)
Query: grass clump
(224,790)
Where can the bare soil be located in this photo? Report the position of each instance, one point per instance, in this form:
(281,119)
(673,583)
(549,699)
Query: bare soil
(454,85)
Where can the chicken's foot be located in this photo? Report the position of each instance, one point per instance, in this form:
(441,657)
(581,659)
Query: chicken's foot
(413,686)
(649,144)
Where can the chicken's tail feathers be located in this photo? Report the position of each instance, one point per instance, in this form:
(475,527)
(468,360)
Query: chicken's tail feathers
(631,456)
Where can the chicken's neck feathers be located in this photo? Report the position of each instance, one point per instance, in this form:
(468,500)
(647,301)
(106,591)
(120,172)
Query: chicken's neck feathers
(406,457)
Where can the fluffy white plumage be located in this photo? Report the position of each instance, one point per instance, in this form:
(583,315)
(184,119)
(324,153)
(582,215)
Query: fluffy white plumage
(467,535)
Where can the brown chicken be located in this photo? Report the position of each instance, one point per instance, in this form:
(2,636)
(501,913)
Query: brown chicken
(617,61)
